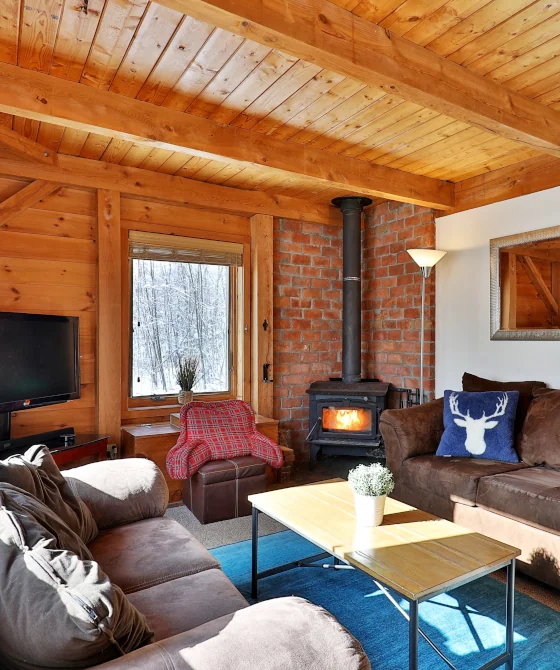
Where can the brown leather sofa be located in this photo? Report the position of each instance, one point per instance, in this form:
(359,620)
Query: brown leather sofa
(510,502)
(199,618)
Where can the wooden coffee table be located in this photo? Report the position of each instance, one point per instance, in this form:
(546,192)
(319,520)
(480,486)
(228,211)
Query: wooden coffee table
(414,553)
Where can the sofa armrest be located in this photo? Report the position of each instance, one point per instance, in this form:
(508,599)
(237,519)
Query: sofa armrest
(121,491)
(288,633)
(414,431)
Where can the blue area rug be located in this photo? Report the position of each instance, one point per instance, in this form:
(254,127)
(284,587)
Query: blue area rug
(468,624)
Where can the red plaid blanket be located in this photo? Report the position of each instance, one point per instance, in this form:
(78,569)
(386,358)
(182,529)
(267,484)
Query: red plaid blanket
(212,431)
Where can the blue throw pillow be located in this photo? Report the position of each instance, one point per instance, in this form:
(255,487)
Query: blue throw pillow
(479,425)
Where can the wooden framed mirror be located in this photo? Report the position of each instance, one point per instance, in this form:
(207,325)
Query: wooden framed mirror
(525,286)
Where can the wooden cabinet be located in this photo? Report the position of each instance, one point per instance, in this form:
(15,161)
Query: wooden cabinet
(153,441)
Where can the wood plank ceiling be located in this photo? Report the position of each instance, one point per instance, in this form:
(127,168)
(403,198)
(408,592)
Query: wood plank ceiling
(143,50)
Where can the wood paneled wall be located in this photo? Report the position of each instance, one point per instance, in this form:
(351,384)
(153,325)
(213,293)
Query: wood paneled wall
(48,257)
(49,264)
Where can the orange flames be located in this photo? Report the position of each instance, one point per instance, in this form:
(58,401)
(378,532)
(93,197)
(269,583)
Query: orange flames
(351,419)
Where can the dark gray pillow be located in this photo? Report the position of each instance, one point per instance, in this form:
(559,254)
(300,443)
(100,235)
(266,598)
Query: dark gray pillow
(59,611)
(38,474)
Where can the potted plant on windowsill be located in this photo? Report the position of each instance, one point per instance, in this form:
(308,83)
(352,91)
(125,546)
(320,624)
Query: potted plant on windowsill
(371,485)
(187,376)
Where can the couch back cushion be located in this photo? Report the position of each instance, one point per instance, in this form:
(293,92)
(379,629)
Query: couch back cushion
(59,610)
(475,384)
(38,474)
(539,442)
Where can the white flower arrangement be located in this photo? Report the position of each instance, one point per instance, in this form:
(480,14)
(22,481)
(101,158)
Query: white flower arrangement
(371,480)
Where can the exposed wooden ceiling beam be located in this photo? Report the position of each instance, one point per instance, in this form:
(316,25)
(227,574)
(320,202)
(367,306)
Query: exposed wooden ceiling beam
(323,33)
(25,198)
(535,174)
(82,172)
(23,146)
(44,98)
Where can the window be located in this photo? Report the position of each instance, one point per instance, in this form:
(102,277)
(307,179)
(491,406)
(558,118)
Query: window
(183,292)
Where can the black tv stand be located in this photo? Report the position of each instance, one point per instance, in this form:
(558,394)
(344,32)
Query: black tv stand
(9,443)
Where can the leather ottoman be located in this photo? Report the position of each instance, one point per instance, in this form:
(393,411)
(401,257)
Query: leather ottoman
(219,490)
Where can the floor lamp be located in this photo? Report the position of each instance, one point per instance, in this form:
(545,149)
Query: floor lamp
(425,259)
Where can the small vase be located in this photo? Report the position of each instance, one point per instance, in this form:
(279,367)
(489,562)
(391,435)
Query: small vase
(185,397)
(369,509)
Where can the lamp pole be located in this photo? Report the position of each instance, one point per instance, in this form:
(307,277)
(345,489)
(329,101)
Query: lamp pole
(425,259)
(426,271)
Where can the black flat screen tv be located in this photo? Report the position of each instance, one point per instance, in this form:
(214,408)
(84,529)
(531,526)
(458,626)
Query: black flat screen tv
(39,360)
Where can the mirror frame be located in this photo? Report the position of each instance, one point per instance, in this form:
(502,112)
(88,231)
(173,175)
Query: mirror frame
(496,246)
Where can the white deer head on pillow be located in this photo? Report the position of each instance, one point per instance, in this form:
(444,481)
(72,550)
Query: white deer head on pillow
(476,428)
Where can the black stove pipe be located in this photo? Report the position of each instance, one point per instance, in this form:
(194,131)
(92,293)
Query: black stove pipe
(352,207)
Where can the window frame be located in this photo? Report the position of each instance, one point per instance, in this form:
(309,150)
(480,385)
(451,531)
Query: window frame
(141,407)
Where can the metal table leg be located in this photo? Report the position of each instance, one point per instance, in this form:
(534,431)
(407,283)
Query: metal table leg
(413,636)
(510,600)
(254,553)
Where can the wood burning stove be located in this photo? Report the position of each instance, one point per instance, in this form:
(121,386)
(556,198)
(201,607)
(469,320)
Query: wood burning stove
(344,418)
(344,413)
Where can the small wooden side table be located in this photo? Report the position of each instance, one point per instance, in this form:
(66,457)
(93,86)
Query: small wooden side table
(82,446)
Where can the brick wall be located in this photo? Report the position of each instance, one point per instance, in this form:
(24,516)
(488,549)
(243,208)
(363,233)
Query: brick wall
(391,296)
(307,317)
(308,307)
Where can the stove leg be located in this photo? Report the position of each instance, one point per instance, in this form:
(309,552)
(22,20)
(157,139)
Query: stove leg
(314,455)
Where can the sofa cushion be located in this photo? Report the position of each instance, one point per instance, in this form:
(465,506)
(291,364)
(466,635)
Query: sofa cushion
(479,425)
(450,477)
(36,472)
(45,518)
(58,611)
(181,604)
(479,384)
(279,634)
(531,496)
(539,442)
(149,552)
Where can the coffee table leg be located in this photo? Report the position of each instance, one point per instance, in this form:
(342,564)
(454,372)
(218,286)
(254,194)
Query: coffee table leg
(413,636)
(510,600)
(254,553)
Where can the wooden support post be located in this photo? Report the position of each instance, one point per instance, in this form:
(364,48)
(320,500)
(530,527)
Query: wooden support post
(539,283)
(261,306)
(25,198)
(509,290)
(109,300)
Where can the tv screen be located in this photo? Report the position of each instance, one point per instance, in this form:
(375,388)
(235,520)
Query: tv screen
(39,360)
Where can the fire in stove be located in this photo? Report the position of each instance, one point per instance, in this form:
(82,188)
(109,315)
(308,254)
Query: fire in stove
(355,420)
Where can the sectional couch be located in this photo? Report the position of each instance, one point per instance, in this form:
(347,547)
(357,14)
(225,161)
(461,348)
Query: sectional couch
(516,503)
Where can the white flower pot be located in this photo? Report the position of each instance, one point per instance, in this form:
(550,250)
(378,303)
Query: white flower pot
(369,509)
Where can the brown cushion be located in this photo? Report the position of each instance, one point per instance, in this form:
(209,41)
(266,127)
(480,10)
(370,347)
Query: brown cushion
(149,552)
(231,468)
(531,495)
(278,634)
(58,611)
(539,442)
(479,385)
(449,477)
(179,605)
(38,474)
(29,505)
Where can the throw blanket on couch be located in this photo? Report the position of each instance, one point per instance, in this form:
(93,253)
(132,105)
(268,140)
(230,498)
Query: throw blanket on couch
(213,431)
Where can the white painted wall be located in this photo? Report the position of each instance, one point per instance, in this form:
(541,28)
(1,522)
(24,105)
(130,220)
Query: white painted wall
(463,295)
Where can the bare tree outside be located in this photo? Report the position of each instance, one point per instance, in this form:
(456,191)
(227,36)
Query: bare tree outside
(179,310)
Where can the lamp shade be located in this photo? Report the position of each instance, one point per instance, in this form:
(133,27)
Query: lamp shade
(426,258)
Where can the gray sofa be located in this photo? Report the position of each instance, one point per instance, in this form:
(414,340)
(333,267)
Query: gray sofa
(199,619)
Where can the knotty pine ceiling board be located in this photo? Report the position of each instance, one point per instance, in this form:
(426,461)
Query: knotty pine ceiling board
(141,49)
